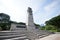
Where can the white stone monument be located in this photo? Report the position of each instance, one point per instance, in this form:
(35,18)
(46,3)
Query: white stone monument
(30,21)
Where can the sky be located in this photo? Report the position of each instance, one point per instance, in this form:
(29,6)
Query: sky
(43,10)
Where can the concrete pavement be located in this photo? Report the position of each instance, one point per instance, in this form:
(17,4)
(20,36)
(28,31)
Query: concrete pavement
(51,37)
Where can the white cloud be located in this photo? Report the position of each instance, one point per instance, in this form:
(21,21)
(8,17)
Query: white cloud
(50,7)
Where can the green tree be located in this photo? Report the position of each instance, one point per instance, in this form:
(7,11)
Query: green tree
(4,21)
(42,28)
(55,21)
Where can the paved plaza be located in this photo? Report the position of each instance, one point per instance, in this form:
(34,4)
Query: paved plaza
(52,37)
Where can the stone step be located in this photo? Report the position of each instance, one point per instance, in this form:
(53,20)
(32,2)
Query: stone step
(18,38)
(10,32)
(41,36)
(4,33)
(7,34)
(42,32)
(11,36)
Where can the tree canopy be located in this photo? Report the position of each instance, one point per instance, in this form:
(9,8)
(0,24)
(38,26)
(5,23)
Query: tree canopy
(55,21)
(4,21)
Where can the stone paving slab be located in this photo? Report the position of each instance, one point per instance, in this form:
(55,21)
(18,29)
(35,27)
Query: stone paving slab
(51,37)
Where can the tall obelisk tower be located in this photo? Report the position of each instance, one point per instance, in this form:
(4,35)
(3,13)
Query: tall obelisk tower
(30,22)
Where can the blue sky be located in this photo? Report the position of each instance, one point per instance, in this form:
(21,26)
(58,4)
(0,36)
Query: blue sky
(43,10)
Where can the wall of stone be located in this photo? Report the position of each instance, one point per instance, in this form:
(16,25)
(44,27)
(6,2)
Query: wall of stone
(15,28)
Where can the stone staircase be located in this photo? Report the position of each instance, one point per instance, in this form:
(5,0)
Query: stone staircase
(42,33)
(37,34)
(24,35)
(12,35)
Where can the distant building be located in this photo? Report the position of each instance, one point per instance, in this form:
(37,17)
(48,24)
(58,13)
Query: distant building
(18,26)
